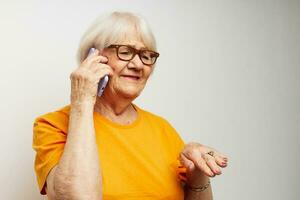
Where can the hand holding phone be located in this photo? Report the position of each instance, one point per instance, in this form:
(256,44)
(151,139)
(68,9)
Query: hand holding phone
(103,81)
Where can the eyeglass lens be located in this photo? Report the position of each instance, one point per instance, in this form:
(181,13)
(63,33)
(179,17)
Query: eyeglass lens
(146,56)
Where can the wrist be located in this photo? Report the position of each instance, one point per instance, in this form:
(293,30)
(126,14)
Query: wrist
(197,179)
(77,99)
(199,188)
(82,106)
(197,182)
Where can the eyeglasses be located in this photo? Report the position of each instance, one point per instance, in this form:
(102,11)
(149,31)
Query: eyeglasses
(127,53)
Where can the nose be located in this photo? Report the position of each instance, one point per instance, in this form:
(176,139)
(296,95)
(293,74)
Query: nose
(136,63)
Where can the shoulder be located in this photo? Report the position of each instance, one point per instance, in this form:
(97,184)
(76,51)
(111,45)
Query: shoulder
(154,117)
(58,118)
(166,127)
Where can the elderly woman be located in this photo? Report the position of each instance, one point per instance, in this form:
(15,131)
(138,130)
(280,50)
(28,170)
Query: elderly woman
(106,147)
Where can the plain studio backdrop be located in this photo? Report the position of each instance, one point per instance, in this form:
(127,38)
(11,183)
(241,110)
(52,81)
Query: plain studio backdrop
(228,77)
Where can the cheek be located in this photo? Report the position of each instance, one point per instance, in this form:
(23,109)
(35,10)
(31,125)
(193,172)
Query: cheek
(148,72)
(117,66)
(113,61)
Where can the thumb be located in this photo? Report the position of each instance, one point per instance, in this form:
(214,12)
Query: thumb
(186,162)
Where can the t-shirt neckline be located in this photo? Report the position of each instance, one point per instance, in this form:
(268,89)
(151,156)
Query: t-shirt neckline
(101,118)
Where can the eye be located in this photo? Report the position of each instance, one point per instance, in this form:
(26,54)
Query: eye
(147,55)
(125,50)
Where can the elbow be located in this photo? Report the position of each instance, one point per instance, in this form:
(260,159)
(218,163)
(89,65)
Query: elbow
(74,189)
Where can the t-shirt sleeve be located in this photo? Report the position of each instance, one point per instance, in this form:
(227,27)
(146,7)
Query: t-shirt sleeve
(49,137)
(177,145)
(175,139)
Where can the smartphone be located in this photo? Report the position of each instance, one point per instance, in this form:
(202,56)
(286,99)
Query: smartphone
(103,81)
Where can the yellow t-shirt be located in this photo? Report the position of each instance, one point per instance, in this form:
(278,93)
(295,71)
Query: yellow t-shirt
(138,161)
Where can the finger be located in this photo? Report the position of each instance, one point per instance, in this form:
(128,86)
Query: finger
(96,67)
(94,61)
(93,52)
(181,169)
(201,165)
(220,161)
(100,73)
(196,157)
(106,68)
(216,152)
(182,178)
(181,172)
(212,164)
(186,162)
(221,155)
(99,59)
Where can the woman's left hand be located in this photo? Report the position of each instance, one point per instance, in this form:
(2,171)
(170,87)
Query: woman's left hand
(200,159)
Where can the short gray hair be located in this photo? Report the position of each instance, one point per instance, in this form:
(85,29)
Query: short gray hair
(113,28)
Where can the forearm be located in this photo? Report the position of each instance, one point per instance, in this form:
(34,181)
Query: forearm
(201,180)
(78,173)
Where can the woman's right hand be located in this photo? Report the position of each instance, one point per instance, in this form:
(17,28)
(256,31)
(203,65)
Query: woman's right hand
(85,79)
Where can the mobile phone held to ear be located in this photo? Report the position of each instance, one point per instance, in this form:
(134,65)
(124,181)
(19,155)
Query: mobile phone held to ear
(103,81)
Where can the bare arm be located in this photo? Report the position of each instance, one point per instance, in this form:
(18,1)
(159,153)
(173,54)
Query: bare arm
(78,175)
(204,195)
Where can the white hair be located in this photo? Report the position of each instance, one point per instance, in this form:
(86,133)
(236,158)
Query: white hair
(112,28)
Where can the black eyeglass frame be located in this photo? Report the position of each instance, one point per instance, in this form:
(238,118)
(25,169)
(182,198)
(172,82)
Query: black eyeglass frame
(135,51)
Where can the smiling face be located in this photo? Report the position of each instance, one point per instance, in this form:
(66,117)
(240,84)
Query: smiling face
(129,77)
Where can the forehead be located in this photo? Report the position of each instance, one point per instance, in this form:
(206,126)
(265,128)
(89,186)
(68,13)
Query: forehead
(132,38)
(134,44)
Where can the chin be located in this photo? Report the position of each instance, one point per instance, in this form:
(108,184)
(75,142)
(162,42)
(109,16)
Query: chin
(130,93)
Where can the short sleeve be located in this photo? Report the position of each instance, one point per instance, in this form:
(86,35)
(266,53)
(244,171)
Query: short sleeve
(176,142)
(49,137)
(177,145)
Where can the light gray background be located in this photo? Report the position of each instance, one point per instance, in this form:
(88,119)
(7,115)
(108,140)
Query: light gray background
(228,77)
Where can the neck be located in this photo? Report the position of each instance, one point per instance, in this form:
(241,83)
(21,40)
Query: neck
(116,109)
